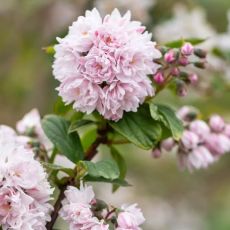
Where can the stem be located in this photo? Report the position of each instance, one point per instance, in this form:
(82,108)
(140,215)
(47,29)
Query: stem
(57,207)
(90,153)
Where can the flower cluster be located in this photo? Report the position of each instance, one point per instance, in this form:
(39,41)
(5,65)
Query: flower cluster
(102,64)
(201,144)
(24,189)
(173,63)
(82,211)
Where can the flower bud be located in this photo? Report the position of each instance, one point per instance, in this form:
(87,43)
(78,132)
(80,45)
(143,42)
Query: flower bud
(156,153)
(169,57)
(189,140)
(200,53)
(187,49)
(168,144)
(181,89)
(200,128)
(158,78)
(175,71)
(216,123)
(183,61)
(200,65)
(193,78)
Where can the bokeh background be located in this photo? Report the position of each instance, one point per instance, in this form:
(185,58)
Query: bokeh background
(171,199)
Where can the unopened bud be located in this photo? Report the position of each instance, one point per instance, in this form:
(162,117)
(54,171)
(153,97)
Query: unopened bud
(170,56)
(175,71)
(156,153)
(168,144)
(187,49)
(183,61)
(201,65)
(158,78)
(200,53)
(216,123)
(193,78)
(181,89)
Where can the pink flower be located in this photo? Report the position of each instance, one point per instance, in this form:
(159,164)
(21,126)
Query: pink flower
(198,158)
(227,130)
(193,78)
(30,125)
(189,140)
(200,128)
(156,153)
(76,209)
(130,218)
(168,144)
(216,123)
(187,49)
(218,144)
(24,189)
(102,64)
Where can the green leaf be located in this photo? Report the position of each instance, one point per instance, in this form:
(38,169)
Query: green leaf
(225,55)
(180,42)
(88,138)
(120,163)
(54,167)
(56,129)
(106,169)
(77,124)
(139,128)
(118,182)
(60,108)
(168,117)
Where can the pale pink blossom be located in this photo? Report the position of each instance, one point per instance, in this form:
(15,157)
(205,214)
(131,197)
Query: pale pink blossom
(76,209)
(189,140)
(227,130)
(200,128)
(24,189)
(102,64)
(216,123)
(30,125)
(199,157)
(130,218)
(218,144)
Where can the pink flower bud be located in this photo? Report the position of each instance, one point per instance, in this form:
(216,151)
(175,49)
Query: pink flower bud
(183,61)
(168,144)
(169,56)
(200,128)
(216,123)
(193,78)
(189,140)
(181,90)
(187,49)
(158,78)
(175,71)
(156,153)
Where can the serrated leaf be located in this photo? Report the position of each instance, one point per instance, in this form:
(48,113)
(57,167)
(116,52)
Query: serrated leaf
(54,167)
(56,129)
(139,128)
(180,42)
(118,181)
(106,169)
(168,117)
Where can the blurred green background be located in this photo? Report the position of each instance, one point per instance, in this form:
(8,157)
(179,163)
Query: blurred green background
(171,199)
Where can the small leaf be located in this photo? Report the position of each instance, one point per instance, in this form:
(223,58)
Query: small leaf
(56,129)
(54,167)
(139,128)
(88,138)
(180,42)
(168,117)
(118,181)
(106,169)
(120,163)
(77,124)
(60,108)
